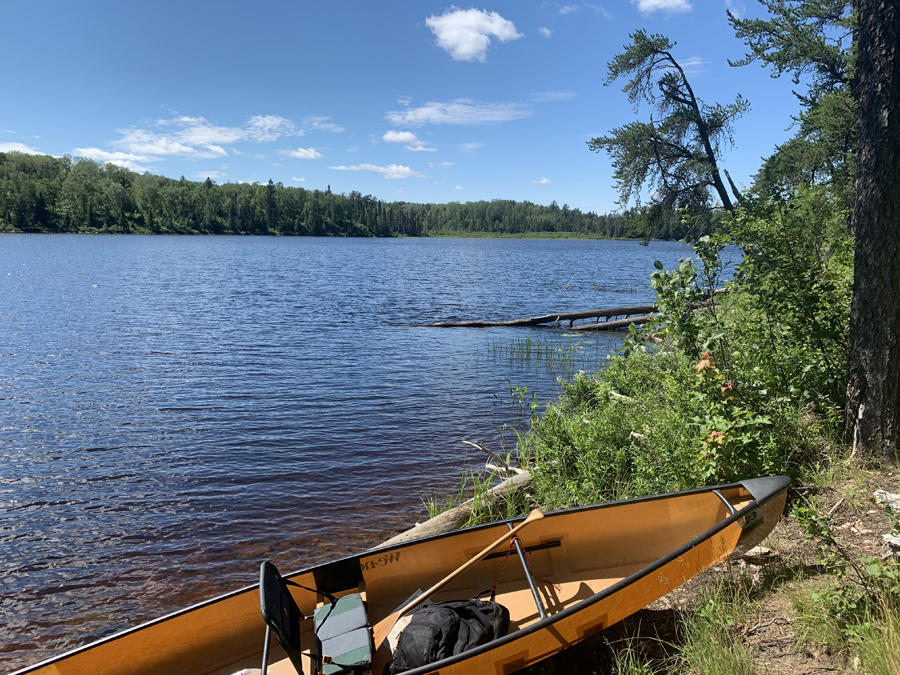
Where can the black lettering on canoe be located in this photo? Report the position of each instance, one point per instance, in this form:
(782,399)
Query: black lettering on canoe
(381,561)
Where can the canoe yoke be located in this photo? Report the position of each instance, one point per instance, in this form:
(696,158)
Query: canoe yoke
(343,637)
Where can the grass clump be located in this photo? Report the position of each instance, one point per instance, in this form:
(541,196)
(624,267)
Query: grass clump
(712,631)
(878,641)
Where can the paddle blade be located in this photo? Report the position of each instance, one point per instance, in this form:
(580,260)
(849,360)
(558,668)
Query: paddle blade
(383,628)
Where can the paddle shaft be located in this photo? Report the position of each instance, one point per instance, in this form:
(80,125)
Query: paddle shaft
(383,627)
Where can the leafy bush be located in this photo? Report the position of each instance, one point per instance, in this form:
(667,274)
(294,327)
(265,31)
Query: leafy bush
(711,392)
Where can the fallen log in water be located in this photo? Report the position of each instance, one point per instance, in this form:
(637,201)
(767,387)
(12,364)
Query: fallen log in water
(615,325)
(560,317)
(458,516)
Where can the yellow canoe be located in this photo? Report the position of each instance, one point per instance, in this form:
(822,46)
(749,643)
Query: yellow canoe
(589,567)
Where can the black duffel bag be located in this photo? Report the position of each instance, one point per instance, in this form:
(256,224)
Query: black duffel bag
(443,629)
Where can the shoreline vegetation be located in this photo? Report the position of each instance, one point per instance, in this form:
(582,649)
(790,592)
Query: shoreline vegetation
(40,193)
(706,394)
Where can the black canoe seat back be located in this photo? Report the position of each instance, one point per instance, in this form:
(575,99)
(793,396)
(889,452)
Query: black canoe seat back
(281,614)
(343,637)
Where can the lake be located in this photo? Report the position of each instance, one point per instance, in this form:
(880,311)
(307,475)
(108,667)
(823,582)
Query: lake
(173,410)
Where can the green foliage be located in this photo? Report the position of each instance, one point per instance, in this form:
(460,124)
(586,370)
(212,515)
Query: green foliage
(712,642)
(877,640)
(823,152)
(681,292)
(652,423)
(858,583)
(675,153)
(807,38)
(748,385)
(793,293)
(814,42)
(628,659)
(46,194)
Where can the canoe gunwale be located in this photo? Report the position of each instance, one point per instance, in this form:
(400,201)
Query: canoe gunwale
(762,489)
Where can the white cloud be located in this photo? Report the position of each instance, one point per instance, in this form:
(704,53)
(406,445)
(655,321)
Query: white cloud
(124,159)
(432,165)
(647,7)
(197,137)
(567,9)
(212,175)
(144,142)
(322,124)
(458,187)
(19,147)
(694,65)
(739,9)
(400,137)
(470,147)
(546,32)
(542,181)
(389,171)
(553,96)
(601,11)
(466,33)
(298,180)
(267,128)
(303,153)
(198,131)
(404,100)
(412,143)
(460,111)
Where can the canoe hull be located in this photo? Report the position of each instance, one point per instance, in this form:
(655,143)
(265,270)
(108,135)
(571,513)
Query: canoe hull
(607,561)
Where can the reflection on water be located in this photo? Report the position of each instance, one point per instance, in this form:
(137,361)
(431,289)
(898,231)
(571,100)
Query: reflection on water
(175,409)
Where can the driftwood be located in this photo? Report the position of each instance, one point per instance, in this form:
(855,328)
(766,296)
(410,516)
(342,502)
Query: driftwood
(554,318)
(458,516)
(614,325)
(501,467)
(635,315)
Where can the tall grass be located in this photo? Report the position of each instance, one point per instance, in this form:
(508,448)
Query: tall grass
(878,642)
(712,644)
(562,355)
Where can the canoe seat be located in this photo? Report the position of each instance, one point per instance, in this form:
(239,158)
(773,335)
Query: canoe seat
(281,614)
(343,638)
(342,633)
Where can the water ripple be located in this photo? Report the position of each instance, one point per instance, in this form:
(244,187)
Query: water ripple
(175,409)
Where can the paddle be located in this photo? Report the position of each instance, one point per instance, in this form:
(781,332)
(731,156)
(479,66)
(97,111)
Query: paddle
(383,627)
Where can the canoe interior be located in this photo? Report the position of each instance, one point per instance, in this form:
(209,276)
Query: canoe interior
(582,552)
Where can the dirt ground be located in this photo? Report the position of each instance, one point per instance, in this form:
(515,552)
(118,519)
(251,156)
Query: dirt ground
(778,643)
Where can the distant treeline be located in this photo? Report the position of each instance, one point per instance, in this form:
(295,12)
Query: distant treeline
(40,193)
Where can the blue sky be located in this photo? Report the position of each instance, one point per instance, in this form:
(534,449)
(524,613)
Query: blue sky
(418,101)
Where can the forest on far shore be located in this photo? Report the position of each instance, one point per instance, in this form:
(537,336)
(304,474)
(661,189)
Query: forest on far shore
(40,193)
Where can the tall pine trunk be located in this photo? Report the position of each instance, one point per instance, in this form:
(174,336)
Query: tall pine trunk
(872,414)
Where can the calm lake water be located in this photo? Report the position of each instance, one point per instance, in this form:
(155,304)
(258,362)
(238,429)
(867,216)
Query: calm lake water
(175,409)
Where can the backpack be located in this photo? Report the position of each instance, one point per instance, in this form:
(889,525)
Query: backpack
(443,629)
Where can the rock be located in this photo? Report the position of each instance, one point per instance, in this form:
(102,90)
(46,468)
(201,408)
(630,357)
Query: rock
(758,555)
(891,544)
(888,499)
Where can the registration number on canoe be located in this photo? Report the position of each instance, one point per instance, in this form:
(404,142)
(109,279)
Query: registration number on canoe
(381,561)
